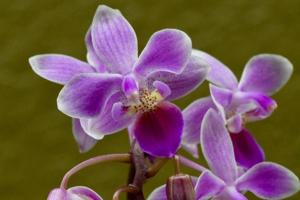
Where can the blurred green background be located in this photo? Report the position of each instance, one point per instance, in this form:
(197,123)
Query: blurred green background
(36,144)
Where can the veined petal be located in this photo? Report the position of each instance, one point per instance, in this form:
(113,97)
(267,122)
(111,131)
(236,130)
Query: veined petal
(158,194)
(208,186)
(114,40)
(247,151)
(217,147)
(269,181)
(182,84)
(230,193)
(58,68)
(219,74)
(58,194)
(84,141)
(193,116)
(83,193)
(221,96)
(86,94)
(130,86)
(266,73)
(162,88)
(167,50)
(92,56)
(105,123)
(235,124)
(159,132)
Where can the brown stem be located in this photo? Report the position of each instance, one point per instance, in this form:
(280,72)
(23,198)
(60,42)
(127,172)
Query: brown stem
(127,189)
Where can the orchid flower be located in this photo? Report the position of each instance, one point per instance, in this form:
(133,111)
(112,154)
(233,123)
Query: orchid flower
(239,103)
(73,193)
(266,180)
(117,89)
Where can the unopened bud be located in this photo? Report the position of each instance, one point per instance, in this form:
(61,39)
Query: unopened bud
(180,187)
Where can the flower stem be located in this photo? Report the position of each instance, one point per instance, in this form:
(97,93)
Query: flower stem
(191,164)
(127,189)
(125,158)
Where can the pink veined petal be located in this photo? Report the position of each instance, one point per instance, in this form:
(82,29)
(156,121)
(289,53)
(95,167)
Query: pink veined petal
(86,94)
(84,141)
(208,186)
(247,151)
(221,96)
(106,123)
(167,50)
(58,68)
(92,56)
(193,116)
(217,147)
(235,124)
(159,132)
(83,193)
(114,40)
(182,84)
(230,193)
(58,194)
(219,74)
(162,88)
(269,181)
(266,73)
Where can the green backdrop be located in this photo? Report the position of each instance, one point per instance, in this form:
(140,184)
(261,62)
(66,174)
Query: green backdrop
(36,144)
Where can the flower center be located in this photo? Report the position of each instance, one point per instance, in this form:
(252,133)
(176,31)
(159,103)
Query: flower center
(147,101)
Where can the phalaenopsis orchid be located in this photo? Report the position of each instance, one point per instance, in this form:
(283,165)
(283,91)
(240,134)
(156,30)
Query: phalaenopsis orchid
(118,89)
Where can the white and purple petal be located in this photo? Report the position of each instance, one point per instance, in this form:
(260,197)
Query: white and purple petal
(217,147)
(84,141)
(106,123)
(193,116)
(83,193)
(58,68)
(246,150)
(208,186)
(167,50)
(86,94)
(266,73)
(269,181)
(114,40)
(230,193)
(219,74)
(159,132)
(181,84)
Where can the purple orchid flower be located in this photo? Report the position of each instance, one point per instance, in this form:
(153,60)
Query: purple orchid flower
(117,89)
(266,180)
(73,193)
(246,101)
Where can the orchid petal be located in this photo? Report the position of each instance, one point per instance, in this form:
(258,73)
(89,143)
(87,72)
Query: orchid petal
(58,194)
(247,151)
(58,68)
(92,56)
(235,124)
(162,88)
(217,147)
(86,94)
(159,132)
(130,86)
(83,193)
(105,123)
(221,96)
(219,74)
(230,193)
(193,116)
(84,141)
(269,181)
(114,40)
(158,194)
(266,73)
(182,84)
(208,185)
(167,50)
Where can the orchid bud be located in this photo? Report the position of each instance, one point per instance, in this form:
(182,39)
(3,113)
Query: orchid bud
(180,187)
(74,193)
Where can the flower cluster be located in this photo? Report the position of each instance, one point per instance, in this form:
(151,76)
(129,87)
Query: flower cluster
(117,89)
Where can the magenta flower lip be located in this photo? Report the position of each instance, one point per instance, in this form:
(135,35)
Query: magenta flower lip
(116,88)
